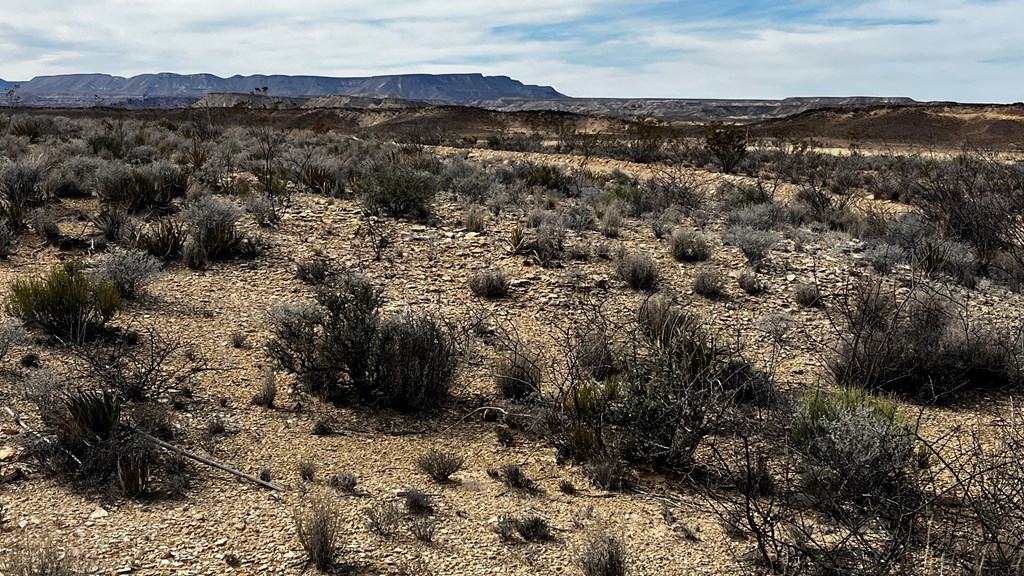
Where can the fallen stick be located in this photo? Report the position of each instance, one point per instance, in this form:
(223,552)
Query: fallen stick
(20,422)
(205,460)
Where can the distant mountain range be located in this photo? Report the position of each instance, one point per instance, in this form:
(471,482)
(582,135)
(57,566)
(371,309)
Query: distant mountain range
(499,93)
(145,90)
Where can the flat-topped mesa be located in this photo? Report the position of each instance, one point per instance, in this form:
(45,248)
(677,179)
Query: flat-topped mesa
(446,88)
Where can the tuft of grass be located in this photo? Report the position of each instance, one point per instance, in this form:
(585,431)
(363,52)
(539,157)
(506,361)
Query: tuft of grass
(318,528)
(807,295)
(604,555)
(307,470)
(518,375)
(418,502)
(383,519)
(345,481)
(750,283)
(514,476)
(440,465)
(268,390)
(489,284)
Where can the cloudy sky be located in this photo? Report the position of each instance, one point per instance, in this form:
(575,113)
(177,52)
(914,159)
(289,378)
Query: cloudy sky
(967,50)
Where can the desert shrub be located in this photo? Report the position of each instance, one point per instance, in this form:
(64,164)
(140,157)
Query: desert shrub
(611,221)
(475,219)
(129,270)
(263,208)
(113,222)
(689,246)
(307,470)
(603,555)
(547,176)
(11,334)
(396,187)
(914,345)
(318,529)
(423,529)
(807,295)
(152,187)
(731,196)
(709,284)
(750,283)
(518,374)
(329,345)
(549,243)
(344,481)
(440,465)
(212,226)
(747,384)
(20,191)
(669,395)
(418,502)
(608,473)
(7,239)
(883,257)
(65,302)
(766,216)
(514,476)
(754,244)
(489,284)
(322,176)
(639,271)
(727,144)
(856,445)
(341,348)
(71,178)
(44,222)
(314,271)
(414,362)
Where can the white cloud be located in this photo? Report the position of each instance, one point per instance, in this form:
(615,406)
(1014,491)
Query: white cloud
(955,49)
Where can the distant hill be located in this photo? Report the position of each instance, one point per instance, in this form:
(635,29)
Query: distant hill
(71,90)
(697,109)
(5,85)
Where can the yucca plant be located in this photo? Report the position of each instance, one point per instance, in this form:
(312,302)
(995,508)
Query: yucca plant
(85,418)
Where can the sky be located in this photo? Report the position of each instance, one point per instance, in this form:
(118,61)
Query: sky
(964,50)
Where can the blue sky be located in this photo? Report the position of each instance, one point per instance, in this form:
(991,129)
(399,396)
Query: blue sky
(967,50)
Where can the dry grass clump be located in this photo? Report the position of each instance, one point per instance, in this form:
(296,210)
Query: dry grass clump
(318,528)
(489,284)
(689,246)
(604,555)
(440,465)
(639,271)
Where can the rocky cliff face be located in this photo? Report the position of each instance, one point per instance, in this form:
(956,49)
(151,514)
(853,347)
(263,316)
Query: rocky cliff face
(103,89)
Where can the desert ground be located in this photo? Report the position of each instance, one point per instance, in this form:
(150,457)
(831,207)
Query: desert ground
(644,343)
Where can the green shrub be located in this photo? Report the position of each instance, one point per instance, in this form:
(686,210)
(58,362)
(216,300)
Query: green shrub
(414,363)
(397,188)
(856,445)
(341,348)
(66,302)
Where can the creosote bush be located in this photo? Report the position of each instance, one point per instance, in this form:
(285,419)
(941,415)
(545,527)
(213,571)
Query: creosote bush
(340,347)
(399,187)
(65,302)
